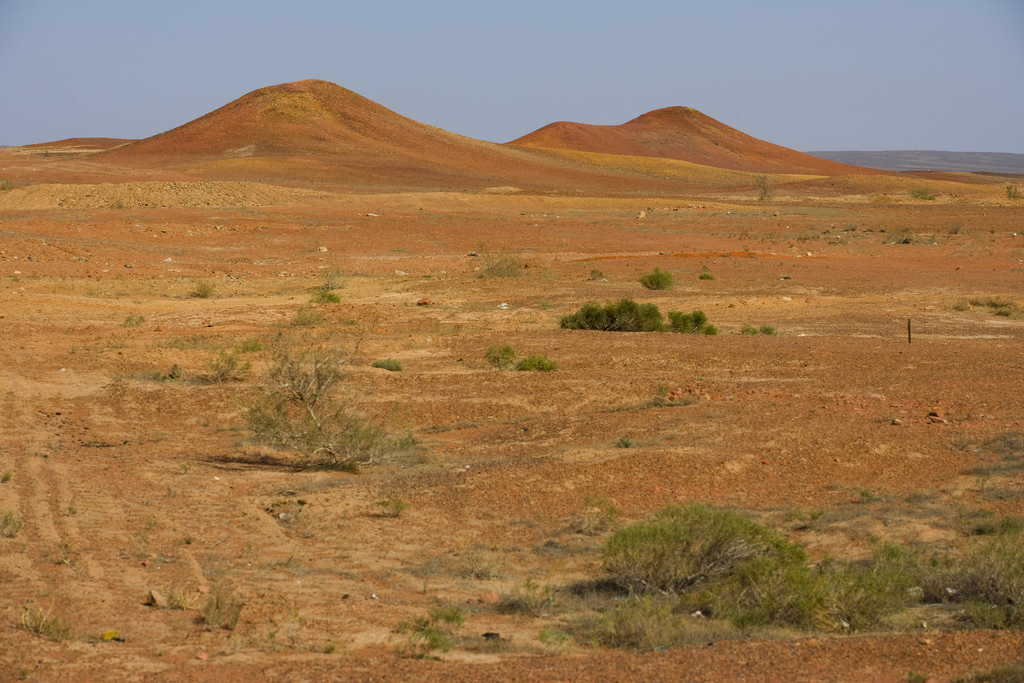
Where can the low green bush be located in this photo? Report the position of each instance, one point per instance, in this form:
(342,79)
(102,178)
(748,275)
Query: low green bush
(687,323)
(659,279)
(706,276)
(922,193)
(537,364)
(323,296)
(387,364)
(625,315)
(203,290)
(501,357)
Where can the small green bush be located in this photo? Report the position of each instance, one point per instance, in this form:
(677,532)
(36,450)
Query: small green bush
(678,549)
(687,323)
(501,357)
(769,330)
(765,188)
(659,279)
(387,364)
(624,316)
(922,193)
(596,274)
(748,329)
(250,346)
(625,442)
(6,477)
(537,364)
(6,185)
(706,276)
(203,290)
(324,296)
(133,321)
(1012,192)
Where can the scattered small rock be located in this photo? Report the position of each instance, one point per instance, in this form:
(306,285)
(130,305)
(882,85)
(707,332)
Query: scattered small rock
(203,656)
(489,598)
(897,422)
(157,599)
(321,249)
(425,301)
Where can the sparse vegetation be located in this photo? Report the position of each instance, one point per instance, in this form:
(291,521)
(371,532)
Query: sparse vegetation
(389,364)
(596,274)
(765,188)
(922,193)
(6,185)
(227,367)
(501,357)
(221,611)
(10,524)
(6,477)
(426,635)
(308,317)
(764,329)
(537,364)
(506,265)
(333,279)
(659,279)
(133,321)
(203,290)
(706,276)
(324,296)
(46,624)
(1012,192)
(300,406)
(392,507)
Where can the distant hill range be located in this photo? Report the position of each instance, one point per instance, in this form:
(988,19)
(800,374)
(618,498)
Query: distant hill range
(921,160)
(683,134)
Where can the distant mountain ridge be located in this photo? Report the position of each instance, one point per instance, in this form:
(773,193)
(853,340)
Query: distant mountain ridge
(926,160)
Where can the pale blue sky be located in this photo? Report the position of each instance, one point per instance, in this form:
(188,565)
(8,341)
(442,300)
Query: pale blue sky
(815,75)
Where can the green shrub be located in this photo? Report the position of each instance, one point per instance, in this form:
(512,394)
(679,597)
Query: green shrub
(623,316)
(333,279)
(694,323)
(537,364)
(203,290)
(765,188)
(6,185)
(922,193)
(596,274)
(387,364)
(706,276)
(300,406)
(769,330)
(501,357)
(625,442)
(221,611)
(659,279)
(680,548)
(324,296)
(1012,192)
(250,346)
(133,321)
(6,477)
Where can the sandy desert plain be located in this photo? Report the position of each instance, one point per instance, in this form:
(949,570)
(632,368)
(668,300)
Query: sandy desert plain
(144,286)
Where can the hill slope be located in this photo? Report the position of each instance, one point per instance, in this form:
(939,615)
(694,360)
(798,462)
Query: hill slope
(686,135)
